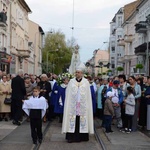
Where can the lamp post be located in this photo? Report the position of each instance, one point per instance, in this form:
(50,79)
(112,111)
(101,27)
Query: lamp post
(47,54)
(147,50)
(53,62)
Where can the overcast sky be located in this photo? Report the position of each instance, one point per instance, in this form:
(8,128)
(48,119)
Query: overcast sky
(91,20)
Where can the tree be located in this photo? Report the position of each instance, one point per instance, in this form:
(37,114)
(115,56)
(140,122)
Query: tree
(56,53)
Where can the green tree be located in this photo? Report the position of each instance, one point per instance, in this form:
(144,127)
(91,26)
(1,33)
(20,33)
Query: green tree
(56,53)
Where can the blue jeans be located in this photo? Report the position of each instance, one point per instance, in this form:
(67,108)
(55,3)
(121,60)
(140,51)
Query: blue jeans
(108,120)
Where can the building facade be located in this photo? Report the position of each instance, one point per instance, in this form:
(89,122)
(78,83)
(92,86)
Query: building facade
(5,57)
(99,63)
(116,33)
(36,37)
(135,38)
(21,40)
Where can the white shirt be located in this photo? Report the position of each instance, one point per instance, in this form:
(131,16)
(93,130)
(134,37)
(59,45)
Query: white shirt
(115,98)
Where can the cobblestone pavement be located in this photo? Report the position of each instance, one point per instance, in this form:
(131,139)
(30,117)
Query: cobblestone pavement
(54,140)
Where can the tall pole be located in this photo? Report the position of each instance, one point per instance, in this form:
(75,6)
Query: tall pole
(147,52)
(47,62)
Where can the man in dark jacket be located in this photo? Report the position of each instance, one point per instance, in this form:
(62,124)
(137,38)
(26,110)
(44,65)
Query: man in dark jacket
(18,94)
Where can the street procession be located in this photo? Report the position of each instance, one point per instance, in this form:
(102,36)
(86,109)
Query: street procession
(74,75)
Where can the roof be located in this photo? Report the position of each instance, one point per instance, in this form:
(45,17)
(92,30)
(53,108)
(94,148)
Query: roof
(130,9)
(25,5)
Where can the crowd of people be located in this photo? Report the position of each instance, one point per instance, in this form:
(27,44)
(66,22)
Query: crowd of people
(114,100)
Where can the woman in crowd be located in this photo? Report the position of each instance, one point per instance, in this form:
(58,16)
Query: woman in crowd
(29,87)
(123,86)
(147,96)
(5,91)
(38,80)
(137,94)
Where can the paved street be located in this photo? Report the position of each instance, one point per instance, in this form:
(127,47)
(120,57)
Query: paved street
(54,140)
(16,138)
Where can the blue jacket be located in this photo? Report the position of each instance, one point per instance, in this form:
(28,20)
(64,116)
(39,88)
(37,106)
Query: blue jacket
(93,98)
(61,94)
(120,94)
(54,94)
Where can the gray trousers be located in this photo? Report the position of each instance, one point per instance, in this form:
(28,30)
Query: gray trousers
(148,117)
(135,116)
(117,111)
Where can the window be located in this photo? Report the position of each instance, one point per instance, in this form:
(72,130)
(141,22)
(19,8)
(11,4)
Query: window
(119,36)
(113,49)
(119,21)
(112,65)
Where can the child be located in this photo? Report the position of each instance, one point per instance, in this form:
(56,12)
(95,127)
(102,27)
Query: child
(35,108)
(129,110)
(108,112)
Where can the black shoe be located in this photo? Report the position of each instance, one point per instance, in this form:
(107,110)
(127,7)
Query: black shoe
(16,123)
(1,119)
(40,141)
(6,119)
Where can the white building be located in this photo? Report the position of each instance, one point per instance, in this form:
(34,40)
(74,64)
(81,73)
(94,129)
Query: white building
(116,33)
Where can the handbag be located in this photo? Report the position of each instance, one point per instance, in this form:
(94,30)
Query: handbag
(7,101)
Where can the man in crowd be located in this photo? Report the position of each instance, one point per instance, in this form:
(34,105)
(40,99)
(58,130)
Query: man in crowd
(18,94)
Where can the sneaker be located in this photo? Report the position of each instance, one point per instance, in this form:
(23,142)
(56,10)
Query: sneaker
(125,130)
(128,131)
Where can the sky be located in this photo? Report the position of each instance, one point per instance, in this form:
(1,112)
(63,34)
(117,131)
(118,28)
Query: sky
(91,20)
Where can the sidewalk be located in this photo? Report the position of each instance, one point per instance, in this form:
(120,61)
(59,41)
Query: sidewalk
(16,137)
(123,141)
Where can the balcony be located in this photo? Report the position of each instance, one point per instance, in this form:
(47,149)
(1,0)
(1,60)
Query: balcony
(128,38)
(24,53)
(121,60)
(121,42)
(141,27)
(141,49)
(128,57)
(3,19)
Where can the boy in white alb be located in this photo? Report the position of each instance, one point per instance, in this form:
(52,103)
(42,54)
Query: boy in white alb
(35,108)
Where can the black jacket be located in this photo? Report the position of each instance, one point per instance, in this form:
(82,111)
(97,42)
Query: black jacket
(18,88)
(45,85)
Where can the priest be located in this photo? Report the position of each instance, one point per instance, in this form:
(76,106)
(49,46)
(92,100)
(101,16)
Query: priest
(78,113)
